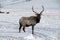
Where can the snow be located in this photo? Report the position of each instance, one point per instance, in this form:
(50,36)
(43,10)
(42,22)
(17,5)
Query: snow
(14,4)
(47,29)
(29,37)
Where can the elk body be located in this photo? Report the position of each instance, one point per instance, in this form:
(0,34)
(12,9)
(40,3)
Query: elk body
(30,21)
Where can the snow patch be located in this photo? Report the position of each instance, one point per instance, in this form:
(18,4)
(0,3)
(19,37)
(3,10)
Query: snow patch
(29,37)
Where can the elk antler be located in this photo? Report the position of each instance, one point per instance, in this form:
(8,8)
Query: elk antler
(33,10)
(42,10)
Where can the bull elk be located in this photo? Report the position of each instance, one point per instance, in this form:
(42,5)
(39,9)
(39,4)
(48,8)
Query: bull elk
(30,21)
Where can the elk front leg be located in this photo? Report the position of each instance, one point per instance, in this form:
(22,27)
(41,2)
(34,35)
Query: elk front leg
(33,29)
(24,29)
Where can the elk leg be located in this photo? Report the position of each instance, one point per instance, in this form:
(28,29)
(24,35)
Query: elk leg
(33,29)
(24,29)
(20,27)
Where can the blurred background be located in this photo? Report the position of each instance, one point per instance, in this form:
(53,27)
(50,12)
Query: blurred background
(14,4)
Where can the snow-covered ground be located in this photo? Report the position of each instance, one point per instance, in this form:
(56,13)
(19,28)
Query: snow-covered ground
(47,29)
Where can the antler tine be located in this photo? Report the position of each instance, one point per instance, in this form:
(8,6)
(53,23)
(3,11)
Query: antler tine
(43,7)
(33,10)
(42,10)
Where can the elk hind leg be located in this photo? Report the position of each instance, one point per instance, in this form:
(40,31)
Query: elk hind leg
(24,28)
(20,27)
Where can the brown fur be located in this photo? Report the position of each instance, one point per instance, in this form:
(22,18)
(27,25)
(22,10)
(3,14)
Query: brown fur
(30,21)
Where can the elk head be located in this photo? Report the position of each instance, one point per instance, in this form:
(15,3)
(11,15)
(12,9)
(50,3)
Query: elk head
(38,14)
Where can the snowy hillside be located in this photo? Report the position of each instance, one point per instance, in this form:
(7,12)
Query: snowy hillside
(47,29)
(14,4)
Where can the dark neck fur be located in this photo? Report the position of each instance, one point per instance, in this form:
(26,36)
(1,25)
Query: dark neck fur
(38,18)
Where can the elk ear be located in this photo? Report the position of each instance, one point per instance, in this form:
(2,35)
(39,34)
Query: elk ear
(35,14)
